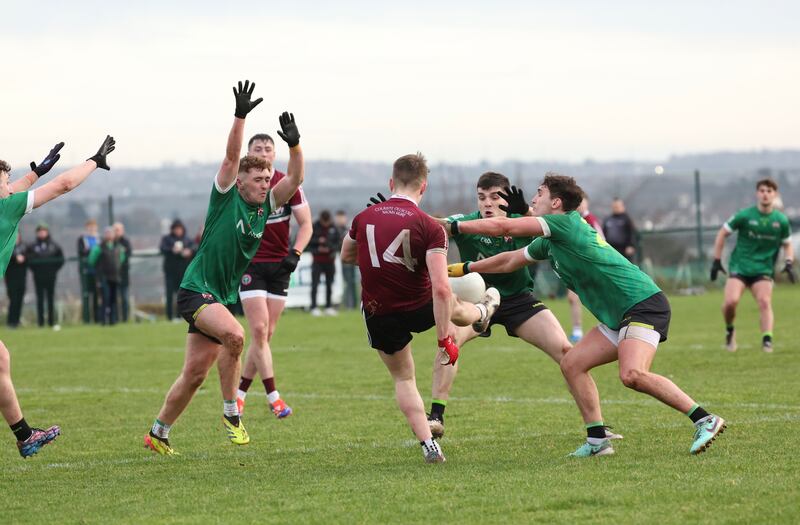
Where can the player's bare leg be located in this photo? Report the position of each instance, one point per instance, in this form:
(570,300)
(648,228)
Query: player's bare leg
(401,367)
(576,314)
(544,332)
(216,321)
(443,377)
(592,351)
(201,353)
(762,292)
(635,360)
(734,288)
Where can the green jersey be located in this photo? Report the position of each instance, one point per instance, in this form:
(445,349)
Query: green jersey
(758,241)
(231,237)
(12,209)
(474,247)
(606,282)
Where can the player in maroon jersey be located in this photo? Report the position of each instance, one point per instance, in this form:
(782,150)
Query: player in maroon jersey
(265,284)
(402,255)
(575,306)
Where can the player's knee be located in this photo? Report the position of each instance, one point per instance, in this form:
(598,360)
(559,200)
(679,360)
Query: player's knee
(764,303)
(632,378)
(569,366)
(261,332)
(234,340)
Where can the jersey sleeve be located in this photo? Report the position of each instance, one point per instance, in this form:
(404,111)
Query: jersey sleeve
(437,238)
(298,200)
(220,194)
(555,227)
(537,250)
(735,222)
(18,204)
(354,227)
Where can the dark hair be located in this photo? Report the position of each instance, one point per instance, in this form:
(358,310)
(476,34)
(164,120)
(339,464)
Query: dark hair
(491,179)
(769,183)
(259,136)
(341,212)
(177,223)
(564,188)
(410,170)
(248,162)
(325,216)
(4,166)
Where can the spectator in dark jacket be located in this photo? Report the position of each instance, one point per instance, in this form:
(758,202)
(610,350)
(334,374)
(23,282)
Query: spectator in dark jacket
(15,282)
(177,249)
(89,296)
(107,259)
(45,259)
(619,230)
(324,244)
(124,278)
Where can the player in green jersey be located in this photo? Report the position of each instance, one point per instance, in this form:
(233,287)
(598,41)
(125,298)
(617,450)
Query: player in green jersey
(521,313)
(762,230)
(233,229)
(15,202)
(633,312)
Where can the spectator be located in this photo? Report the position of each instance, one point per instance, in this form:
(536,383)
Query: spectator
(107,259)
(15,282)
(89,299)
(45,259)
(124,275)
(349,297)
(324,245)
(619,230)
(177,249)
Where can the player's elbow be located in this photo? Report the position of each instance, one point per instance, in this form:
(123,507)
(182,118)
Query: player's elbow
(441,291)
(64,185)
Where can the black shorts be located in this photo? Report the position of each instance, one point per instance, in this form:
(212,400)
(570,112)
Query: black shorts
(264,279)
(391,333)
(513,311)
(750,280)
(654,313)
(190,304)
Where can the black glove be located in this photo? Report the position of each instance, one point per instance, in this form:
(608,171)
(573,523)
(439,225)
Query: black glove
(716,268)
(100,157)
(243,94)
(373,200)
(48,162)
(289,134)
(516,201)
(289,263)
(789,270)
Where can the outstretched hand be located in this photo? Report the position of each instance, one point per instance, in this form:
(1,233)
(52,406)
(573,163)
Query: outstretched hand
(243,95)
(373,200)
(48,162)
(288,131)
(515,199)
(106,147)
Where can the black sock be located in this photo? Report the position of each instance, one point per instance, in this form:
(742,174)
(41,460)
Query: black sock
(437,411)
(21,430)
(596,432)
(729,329)
(163,440)
(766,339)
(697,414)
(233,420)
(244,384)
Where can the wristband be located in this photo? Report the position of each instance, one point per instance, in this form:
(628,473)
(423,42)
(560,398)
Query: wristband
(466,267)
(454,228)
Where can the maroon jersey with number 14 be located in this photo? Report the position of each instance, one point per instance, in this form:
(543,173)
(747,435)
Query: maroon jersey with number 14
(393,238)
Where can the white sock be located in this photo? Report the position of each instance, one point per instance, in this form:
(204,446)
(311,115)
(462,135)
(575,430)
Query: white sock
(241,393)
(482,309)
(273,396)
(595,441)
(430,444)
(161,429)
(229,408)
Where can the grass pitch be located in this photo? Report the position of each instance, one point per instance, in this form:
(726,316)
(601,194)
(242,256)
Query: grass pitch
(347,455)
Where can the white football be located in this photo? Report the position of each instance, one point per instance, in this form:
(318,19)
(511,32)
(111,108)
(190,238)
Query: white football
(469,288)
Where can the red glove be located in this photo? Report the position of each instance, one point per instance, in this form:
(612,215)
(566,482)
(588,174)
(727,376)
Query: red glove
(448,351)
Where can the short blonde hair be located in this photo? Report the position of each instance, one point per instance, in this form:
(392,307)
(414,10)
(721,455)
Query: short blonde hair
(410,170)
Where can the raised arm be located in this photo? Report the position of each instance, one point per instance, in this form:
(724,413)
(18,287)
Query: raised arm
(30,178)
(495,227)
(230,165)
(72,178)
(295,172)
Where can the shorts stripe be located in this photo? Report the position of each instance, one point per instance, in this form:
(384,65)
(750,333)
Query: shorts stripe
(643,325)
(197,312)
(252,294)
(276,297)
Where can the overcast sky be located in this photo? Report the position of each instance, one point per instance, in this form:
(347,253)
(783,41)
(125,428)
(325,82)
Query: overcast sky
(461,81)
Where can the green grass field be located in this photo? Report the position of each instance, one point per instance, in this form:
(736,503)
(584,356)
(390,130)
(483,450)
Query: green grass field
(347,455)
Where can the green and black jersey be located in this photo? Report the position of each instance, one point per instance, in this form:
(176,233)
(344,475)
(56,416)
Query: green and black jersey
(760,236)
(232,233)
(12,209)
